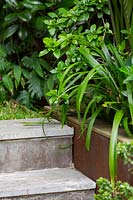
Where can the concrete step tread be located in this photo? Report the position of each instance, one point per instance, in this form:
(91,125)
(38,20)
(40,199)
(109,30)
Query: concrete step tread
(16,129)
(43,182)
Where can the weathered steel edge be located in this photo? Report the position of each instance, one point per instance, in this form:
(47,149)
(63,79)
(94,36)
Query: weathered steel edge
(100,127)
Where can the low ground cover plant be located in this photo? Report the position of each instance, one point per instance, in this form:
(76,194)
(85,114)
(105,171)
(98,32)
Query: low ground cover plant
(121,191)
(13,110)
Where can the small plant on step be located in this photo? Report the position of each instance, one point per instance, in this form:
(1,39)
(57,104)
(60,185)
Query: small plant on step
(106,191)
(125,151)
(120,190)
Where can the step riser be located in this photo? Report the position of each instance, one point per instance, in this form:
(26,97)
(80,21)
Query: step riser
(28,154)
(76,195)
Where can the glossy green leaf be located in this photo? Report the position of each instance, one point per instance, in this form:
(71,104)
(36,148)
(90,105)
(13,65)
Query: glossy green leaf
(56,53)
(52,15)
(126,127)
(130,100)
(12,17)
(52,31)
(82,88)
(61,86)
(50,83)
(43,52)
(86,112)
(121,18)
(26,73)
(64,114)
(63,12)
(90,126)
(112,146)
(17,73)
(25,16)
(8,83)
(84,17)
(12,3)
(22,33)
(10,31)
(93,28)
(38,69)
(34,5)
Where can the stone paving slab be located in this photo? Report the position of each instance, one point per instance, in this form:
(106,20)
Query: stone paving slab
(16,129)
(40,182)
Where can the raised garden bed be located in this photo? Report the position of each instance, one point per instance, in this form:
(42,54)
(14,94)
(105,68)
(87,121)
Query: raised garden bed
(94,163)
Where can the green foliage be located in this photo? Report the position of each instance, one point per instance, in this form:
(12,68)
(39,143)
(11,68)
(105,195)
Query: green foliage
(31,74)
(116,95)
(13,110)
(71,28)
(25,99)
(125,151)
(106,191)
(20,18)
(102,89)
(7,74)
(112,147)
(98,82)
(93,79)
(113,76)
(122,20)
(24,76)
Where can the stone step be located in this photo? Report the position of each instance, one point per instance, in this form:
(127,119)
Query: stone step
(47,184)
(25,147)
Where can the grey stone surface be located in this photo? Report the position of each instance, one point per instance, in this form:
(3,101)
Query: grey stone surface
(75,195)
(43,182)
(39,153)
(25,147)
(16,129)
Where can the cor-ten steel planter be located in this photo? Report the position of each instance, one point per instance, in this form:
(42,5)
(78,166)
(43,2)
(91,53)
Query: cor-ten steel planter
(95,162)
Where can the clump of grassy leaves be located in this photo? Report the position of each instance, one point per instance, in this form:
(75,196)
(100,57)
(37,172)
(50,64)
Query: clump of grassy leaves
(13,110)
